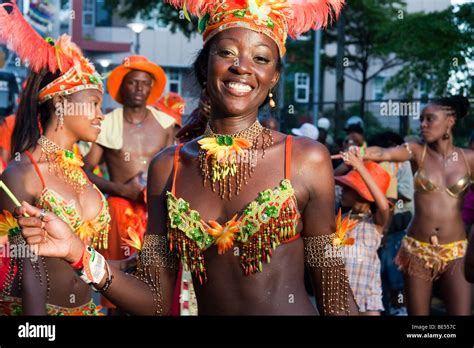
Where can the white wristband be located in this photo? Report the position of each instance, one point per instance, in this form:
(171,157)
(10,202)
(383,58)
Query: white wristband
(94,266)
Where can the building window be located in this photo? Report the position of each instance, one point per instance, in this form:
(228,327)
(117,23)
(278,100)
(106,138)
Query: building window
(4,95)
(378,88)
(302,87)
(174,80)
(423,90)
(103,17)
(88,13)
(64,17)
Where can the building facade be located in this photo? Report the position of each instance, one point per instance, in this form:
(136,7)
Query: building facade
(375,88)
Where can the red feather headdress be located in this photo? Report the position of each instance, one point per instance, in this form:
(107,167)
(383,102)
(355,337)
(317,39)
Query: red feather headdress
(275,18)
(77,73)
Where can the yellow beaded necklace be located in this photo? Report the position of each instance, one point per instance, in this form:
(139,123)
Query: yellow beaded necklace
(64,162)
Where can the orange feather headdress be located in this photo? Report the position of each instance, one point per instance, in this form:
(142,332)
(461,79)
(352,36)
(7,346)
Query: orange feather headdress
(275,18)
(172,104)
(77,73)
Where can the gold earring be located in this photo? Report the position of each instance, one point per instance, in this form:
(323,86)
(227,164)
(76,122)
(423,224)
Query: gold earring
(271,102)
(60,120)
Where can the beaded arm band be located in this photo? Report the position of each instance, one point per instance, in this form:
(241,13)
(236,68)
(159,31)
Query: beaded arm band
(320,253)
(155,255)
(15,266)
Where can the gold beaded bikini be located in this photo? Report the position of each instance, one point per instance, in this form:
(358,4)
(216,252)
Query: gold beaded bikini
(93,232)
(266,222)
(424,184)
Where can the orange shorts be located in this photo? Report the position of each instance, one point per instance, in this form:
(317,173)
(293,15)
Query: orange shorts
(124,214)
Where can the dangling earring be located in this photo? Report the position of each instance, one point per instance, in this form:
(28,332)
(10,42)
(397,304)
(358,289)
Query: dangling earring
(271,102)
(446,135)
(60,120)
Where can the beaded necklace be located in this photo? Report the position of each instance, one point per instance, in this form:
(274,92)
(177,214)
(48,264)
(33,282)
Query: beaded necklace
(64,162)
(230,159)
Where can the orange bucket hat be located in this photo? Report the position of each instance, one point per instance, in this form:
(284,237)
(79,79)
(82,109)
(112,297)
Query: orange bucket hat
(354,180)
(172,104)
(139,63)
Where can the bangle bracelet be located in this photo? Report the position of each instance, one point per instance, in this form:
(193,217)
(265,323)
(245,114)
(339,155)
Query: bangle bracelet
(79,264)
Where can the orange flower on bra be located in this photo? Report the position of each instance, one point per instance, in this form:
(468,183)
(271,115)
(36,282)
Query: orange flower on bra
(8,224)
(224,235)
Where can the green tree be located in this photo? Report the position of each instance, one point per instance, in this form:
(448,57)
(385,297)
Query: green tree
(155,10)
(436,48)
(367,26)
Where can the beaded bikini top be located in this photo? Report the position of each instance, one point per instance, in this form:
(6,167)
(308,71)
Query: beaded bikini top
(424,184)
(93,232)
(271,219)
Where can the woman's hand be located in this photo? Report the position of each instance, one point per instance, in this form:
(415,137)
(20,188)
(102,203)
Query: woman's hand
(50,236)
(353,157)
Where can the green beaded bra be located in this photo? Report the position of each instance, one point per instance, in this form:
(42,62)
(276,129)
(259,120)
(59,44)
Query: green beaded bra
(271,219)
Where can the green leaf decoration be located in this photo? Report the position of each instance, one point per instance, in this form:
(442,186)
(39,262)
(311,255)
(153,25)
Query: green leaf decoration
(202,24)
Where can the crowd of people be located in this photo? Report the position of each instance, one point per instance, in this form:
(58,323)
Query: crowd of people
(161,217)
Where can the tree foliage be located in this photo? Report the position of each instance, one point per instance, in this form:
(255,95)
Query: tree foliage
(155,10)
(436,48)
(368,24)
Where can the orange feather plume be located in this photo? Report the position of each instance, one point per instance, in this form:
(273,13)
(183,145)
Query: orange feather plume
(304,15)
(17,33)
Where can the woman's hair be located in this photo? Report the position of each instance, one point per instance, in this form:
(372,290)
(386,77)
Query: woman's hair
(457,106)
(386,139)
(31,117)
(196,124)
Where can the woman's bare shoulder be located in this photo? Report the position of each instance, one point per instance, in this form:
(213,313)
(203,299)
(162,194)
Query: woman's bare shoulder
(22,179)
(310,151)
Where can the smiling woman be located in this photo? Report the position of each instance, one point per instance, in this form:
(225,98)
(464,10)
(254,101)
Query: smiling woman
(238,197)
(233,54)
(434,248)
(59,106)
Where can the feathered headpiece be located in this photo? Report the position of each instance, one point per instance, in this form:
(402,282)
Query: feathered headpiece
(275,18)
(77,73)
(173,104)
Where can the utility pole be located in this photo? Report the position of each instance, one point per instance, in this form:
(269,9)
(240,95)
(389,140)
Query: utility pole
(341,42)
(316,74)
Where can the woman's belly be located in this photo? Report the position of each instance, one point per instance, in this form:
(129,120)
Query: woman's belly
(66,288)
(277,290)
(437,214)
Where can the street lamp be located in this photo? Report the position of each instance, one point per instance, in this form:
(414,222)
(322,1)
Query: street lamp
(137,28)
(104,62)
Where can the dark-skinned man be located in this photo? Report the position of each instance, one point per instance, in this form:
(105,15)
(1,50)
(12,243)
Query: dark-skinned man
(131,135)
